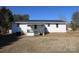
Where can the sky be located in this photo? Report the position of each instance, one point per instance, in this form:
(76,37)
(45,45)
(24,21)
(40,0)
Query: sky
(46,12)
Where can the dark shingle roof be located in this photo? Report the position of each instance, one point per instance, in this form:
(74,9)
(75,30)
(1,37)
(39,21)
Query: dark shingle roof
(45,21)
(41,21)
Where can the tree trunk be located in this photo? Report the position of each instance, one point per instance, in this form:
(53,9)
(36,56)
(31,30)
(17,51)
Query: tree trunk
(3,31)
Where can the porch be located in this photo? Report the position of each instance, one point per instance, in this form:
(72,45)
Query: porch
(35,29)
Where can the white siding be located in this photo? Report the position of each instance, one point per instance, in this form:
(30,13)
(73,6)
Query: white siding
(24,28)
(53,28)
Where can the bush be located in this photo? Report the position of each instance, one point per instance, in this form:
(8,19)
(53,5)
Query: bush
(74,26)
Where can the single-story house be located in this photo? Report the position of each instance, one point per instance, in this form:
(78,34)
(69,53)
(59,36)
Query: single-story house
(37,27)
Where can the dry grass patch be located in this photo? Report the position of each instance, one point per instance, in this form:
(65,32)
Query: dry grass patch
(55,42)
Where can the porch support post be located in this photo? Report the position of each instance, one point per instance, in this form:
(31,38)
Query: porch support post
(43,34)
(43,31)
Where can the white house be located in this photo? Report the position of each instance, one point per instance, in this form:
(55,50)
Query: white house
(37,27)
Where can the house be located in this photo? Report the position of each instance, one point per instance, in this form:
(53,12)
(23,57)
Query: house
(39,27)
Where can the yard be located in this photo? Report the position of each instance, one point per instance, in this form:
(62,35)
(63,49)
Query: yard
(55,42)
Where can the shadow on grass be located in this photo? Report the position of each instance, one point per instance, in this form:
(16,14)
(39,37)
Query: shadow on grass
(8,39)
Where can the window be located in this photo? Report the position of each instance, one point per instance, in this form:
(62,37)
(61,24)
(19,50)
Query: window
(29,31)
(48,25)
(57,25)
(35,26)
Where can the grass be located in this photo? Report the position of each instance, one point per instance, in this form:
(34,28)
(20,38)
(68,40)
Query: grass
(54,42)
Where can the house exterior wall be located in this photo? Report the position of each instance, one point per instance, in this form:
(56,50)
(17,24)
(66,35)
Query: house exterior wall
(32,31)
(24,28)
(21,28)
(51,28)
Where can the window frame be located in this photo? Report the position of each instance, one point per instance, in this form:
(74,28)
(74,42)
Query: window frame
(29,31)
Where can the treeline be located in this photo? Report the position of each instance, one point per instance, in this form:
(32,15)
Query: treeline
(19,17)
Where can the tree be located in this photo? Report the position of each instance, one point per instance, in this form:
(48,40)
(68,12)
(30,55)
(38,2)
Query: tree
(21,17)
(6,19)
(75,20)
(73,26)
